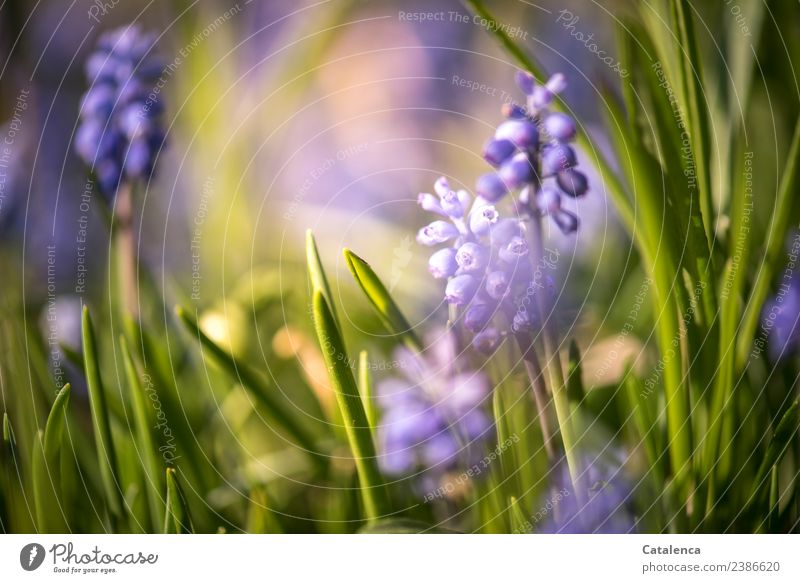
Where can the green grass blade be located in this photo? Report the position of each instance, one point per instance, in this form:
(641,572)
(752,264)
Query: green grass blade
(106,455)
(377,294)
(258,387)
(317,273)
(50,510)
(785,204)
(519,522)
(373,490)
(143,420)
(366,389)
(785,432)
(8,431)
(177,519)
(260,518)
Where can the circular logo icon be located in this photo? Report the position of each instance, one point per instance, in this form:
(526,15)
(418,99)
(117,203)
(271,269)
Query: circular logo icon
(31,556)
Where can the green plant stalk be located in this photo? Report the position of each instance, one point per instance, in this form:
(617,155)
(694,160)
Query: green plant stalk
(107,458)
(317,273)
(152,465)
(381,300)
(126,249)
(366,389)
(553,362)
(50,516)
(779,224)
(373,491)
(540,397)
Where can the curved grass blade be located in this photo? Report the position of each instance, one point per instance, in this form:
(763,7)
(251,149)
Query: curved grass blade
(106,456)
(377,294)
(50,516)
(785,432)
(317,273)
(519,523)
(257,386)
(147,450)
(177,519)
(781,218)
(373,491)
(366,389)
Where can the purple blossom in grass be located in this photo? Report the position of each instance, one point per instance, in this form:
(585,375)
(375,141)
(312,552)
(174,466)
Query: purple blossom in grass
(432,418)
(530,152)
(781,319)
(121,131)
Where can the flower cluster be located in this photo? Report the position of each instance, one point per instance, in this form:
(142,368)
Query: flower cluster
(486,263)
(531,153)
(432,418)
(781,319)
(121,131)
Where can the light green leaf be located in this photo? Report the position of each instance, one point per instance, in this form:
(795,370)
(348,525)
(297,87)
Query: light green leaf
(177,519)
(50,510)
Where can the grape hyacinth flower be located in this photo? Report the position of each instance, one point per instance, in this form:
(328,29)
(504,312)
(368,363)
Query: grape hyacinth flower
(432,418)
(120,130)
(487,264)
(531,153)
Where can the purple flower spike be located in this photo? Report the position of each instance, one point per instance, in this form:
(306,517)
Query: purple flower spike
(525,81)
(491,187)
(521,133)
(472,257)
(517,171)
(443,263)
(460,289)
(560,126)
(572,182)
(498,151)
(497,285)
(437,232)
(557,158)
(482,218)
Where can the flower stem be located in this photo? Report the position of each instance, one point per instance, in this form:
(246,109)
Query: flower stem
(126,250)
(553,362)
(540,397)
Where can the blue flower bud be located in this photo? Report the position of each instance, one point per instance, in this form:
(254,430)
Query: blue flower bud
(515,249)
(521,133)
(572,182)
(472,257)
(495,152)
(452,205)
(461,289)
(482,218)
(138,159)
(548,200)
(566,221)
(497,285)
(525,81)
(437,232)
(441,449)
(477,316)
(513,111)
(560,126)
(557,158)
(540,98)
(504,230)
(430,203)
(517,171)
(556,83)
(441,186)
(443,263)
(486,341)
(491,187)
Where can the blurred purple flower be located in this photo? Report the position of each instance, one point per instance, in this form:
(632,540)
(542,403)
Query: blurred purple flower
(781,319)
(121,132)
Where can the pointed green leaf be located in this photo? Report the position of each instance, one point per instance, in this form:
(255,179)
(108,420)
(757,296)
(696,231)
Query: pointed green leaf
(106,455)
(319,281)
(50,508)
(519,522)
(372,489)
(377,294)
(177,519)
